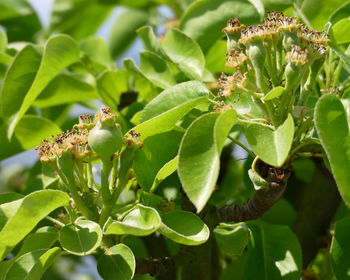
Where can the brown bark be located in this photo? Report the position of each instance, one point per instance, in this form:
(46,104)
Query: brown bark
(261,200)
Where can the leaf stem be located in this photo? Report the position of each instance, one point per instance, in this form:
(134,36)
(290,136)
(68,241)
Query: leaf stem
(58,223)
(250,153)
(70,184)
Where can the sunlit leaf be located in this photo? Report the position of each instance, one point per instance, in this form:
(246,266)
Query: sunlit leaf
(157,151)
(185,53)
(118,262)
(184,227)
(140,221)
(340,249)
(271,146)
(164,111)
(204,19)
(59,52)
(41,203)
(202,144)
(273,253)
(32,265)
(333,130)
(82,238)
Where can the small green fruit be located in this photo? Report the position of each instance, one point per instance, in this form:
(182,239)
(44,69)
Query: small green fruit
(105,140)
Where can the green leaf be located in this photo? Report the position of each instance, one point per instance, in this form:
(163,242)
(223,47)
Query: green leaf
(41,203)
(185,53)
(273,253)
(124,29)
(276,5)
(81,238)
(140,221)
(5,58)
(3,41)
(8,147)
(333,130)
(48,175)
(130,65)
(339,51)
(31,130)
(27,135)
(274,93)
(60,51)
(156,70)
(168,169)
(271,146)
(171,105)
(78,18)
(55,93)
(96,50)
(9,197)
(157,151)
(340,31)
(340,249)
(341,12)
(8,210)
(18,80)
(204,19)
(184,228)
(118,262)
(319,17)
(32,265)
(19,19)
(110,85)
(150,41)
(43,238)
(215,58)
(231,239)
(202,144)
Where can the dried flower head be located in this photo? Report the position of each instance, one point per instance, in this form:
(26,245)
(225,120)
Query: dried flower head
(74,141)
(235,59)
(298,56)
(233,26)
(236,83)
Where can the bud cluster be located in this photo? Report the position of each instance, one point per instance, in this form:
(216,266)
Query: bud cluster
(268,55)
(71,154)
(74,141)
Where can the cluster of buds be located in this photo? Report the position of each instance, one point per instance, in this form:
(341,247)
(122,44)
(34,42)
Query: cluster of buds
(85,138)
(74,142)
(71,154)
(279,52)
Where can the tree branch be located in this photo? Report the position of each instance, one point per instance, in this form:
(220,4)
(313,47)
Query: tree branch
(262,199)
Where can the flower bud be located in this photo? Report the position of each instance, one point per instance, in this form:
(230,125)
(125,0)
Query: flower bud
(297,60)
(257,54)
(85,122)
(233,33)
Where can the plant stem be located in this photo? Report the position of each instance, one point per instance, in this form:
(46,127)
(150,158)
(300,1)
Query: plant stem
(106,194)
(240,121)
(337,73)
(58,223)
(70,184)
(90,177)
(250,153)
(114,173)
